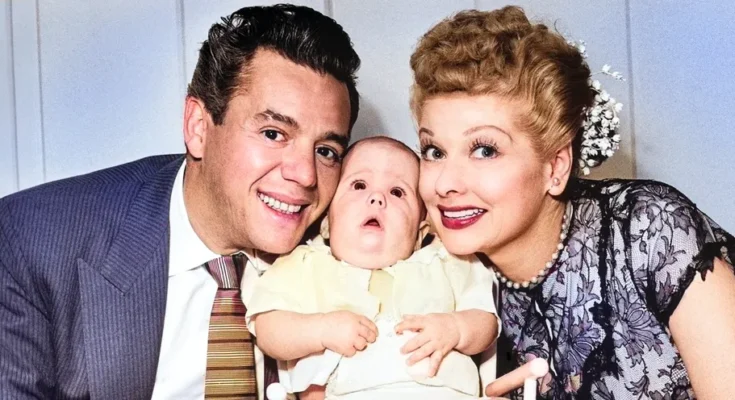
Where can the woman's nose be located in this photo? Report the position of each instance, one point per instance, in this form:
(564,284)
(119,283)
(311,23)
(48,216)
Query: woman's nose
(450,180)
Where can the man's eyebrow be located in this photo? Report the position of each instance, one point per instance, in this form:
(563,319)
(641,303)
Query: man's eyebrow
(275,116)
(341,139)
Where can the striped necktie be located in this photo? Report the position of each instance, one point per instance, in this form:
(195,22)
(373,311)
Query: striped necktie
(230,352)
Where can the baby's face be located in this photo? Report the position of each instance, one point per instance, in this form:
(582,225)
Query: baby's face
(376,211)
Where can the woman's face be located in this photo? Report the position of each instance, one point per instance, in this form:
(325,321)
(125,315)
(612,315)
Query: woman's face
(483,183)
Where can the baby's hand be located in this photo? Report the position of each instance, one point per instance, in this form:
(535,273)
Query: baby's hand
(437,335)
(346,333)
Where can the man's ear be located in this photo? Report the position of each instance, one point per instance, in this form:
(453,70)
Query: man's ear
(196,123)
(324,227)
(561,169)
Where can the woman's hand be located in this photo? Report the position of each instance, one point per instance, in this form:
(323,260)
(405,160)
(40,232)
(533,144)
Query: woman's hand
(515,379)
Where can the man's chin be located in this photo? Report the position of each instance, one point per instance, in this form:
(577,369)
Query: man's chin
(276,245)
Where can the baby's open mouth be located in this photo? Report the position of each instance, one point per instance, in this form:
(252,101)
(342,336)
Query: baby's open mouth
(373,222)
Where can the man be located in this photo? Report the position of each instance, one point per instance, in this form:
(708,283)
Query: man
(106,289)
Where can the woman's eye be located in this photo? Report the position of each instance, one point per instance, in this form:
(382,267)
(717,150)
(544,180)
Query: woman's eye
(272,134)
(359,185)
(397,192)
(431,153)
(484,152)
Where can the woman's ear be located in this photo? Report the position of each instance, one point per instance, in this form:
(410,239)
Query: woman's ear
(561,169)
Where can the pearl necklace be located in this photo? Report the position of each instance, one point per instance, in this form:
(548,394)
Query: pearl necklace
(545,270)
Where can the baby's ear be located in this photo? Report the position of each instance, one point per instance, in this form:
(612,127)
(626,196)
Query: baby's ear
(424,230)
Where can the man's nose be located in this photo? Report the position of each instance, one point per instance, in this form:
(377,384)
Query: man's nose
(298,166)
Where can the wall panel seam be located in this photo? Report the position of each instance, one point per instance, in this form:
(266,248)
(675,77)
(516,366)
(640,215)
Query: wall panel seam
(14,133)
(181,22)
(40,90)
(631,90)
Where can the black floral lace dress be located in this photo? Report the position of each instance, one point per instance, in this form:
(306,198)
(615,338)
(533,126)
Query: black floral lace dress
(601,316)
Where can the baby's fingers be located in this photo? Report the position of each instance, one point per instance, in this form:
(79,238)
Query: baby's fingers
(410,323)
(366,322)
(414,343)
(436,360)
(360,343)
(424,351)
(366,333)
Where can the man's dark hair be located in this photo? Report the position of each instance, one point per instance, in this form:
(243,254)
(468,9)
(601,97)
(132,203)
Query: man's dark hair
(300,34)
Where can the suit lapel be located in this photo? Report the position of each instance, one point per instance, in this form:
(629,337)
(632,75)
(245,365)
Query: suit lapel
(124,299)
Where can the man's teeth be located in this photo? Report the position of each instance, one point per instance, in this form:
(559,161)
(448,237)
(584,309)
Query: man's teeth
(278,205)
(463,213)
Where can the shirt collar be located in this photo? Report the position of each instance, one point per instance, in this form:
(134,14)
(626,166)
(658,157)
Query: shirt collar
(186,250)
(257,260)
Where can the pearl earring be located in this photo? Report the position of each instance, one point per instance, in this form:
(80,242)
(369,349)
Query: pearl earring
(556,181)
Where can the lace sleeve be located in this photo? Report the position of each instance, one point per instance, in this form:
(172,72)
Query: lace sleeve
(670,242)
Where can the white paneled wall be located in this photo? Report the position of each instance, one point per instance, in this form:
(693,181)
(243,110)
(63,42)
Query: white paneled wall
(8,161)
(111,82)
(86,85)
(385,33)
(684,64)
(29,166)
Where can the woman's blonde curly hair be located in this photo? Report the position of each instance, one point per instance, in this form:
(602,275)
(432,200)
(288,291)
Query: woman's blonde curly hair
(501,53)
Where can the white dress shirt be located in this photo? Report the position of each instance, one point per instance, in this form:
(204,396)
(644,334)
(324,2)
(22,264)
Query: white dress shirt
(182,363)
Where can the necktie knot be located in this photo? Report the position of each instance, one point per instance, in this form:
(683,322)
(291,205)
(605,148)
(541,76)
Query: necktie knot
(226,271)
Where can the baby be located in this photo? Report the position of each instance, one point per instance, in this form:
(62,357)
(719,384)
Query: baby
(369,316)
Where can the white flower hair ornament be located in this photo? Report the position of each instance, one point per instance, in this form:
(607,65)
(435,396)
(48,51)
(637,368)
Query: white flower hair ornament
(600,137)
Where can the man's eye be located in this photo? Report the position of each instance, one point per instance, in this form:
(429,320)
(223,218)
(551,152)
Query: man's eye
(327,153)
(398,192)
(272,134)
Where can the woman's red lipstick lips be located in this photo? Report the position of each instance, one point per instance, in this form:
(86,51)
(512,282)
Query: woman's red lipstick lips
(459,223)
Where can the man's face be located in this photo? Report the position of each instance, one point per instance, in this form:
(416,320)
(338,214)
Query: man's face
(272,167)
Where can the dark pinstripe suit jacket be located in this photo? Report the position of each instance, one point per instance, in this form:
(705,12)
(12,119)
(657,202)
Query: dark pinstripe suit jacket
(83,279)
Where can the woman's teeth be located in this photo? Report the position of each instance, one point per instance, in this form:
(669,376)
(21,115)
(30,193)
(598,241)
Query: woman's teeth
(463,213)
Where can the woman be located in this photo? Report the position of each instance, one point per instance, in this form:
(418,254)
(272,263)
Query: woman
(625,287)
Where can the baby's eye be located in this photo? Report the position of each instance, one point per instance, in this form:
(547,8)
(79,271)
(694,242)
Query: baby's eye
(359,185)
(398,192)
